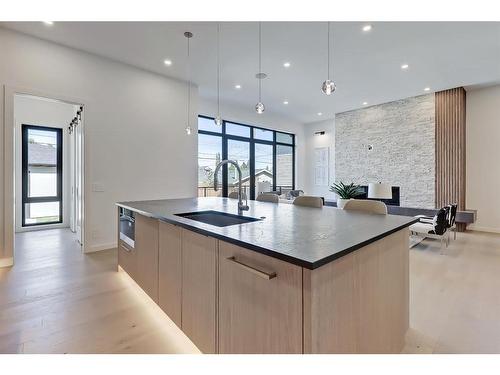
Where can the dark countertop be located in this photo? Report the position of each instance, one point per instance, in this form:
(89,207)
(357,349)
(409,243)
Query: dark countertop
(308,237)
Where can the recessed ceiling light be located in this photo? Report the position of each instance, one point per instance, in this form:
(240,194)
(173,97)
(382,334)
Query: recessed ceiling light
(167,62)
(285,102)
(367,28)
(320,114)
(286,65)
(365,103)
(50,23)
(237,87)
(405,66)
(427,89)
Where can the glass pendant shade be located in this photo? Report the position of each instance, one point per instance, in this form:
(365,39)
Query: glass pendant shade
(218,119)
(259,108)
(328,87)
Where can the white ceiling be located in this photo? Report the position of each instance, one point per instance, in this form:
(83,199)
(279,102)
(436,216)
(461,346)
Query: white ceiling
(366,65)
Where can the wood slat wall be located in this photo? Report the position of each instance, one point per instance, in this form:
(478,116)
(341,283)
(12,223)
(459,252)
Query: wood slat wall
(450,148)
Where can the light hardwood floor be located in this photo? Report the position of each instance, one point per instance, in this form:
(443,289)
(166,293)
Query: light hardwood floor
(57,300)
(455,296)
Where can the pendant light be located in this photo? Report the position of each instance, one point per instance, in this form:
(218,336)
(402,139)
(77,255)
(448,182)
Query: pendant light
(188,36)
(218,119)
(259,107)
(328,86)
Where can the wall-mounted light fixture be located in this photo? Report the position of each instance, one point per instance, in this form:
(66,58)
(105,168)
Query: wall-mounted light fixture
(322,132)
(76,120)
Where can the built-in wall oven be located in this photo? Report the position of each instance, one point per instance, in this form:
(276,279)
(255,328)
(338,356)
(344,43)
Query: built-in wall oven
(127,227)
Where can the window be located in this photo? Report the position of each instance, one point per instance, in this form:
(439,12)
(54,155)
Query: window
(209,155)
(238,130)
(208,124)
(239,151)
(284,138)
(265,157)
(263,134)
(264,167)
(284,166)
(41,175)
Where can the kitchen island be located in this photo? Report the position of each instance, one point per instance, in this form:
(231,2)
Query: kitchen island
(294,280)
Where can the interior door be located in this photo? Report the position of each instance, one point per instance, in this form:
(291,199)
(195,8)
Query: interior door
(78,182)
(41,175)
(72,216)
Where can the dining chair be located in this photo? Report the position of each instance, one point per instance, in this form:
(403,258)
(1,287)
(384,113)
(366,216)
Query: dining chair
(266,197)
(308,201)
(374,207)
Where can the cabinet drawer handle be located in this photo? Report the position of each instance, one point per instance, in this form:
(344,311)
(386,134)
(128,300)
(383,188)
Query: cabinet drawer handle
(255,271)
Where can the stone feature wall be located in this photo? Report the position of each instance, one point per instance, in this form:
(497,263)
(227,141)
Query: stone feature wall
(392,143)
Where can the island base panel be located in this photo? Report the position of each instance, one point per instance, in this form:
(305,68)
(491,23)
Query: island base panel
(260,303)
(170,271)
(360,302)
(199,290)
(146,249)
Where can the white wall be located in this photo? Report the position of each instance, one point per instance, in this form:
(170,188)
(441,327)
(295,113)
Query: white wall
(319,141)
(483,157)
(135,144)
(247,115)
(33,111)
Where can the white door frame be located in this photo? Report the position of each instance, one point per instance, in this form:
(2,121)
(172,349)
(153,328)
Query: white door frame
(9,160)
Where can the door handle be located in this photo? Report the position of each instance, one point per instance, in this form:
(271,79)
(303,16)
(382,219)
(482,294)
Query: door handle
(255,271)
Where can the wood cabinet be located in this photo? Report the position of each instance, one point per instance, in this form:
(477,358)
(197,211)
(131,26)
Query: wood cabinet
(199,290)
(146,249)
(170,271)
(228,299)
(359,302)
(127,258)
(260,303)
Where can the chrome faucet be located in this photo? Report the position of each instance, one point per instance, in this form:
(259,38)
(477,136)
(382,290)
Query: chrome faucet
(241,206)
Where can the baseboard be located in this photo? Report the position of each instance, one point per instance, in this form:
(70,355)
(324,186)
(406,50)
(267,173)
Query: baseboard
(41,227)
(6,262)
(483,229)
(100,247)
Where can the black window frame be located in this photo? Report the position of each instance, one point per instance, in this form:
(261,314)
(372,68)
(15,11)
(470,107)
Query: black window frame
(26,199)
(252,141)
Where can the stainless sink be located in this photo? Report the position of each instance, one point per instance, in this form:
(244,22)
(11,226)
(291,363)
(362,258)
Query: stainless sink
(217,218)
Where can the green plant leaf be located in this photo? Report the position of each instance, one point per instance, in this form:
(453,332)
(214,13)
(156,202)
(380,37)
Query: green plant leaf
(346,191)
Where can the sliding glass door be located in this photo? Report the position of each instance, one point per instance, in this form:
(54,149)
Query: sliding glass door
(41,175)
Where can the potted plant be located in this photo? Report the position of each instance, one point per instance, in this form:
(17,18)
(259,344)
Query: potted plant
(345,192)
